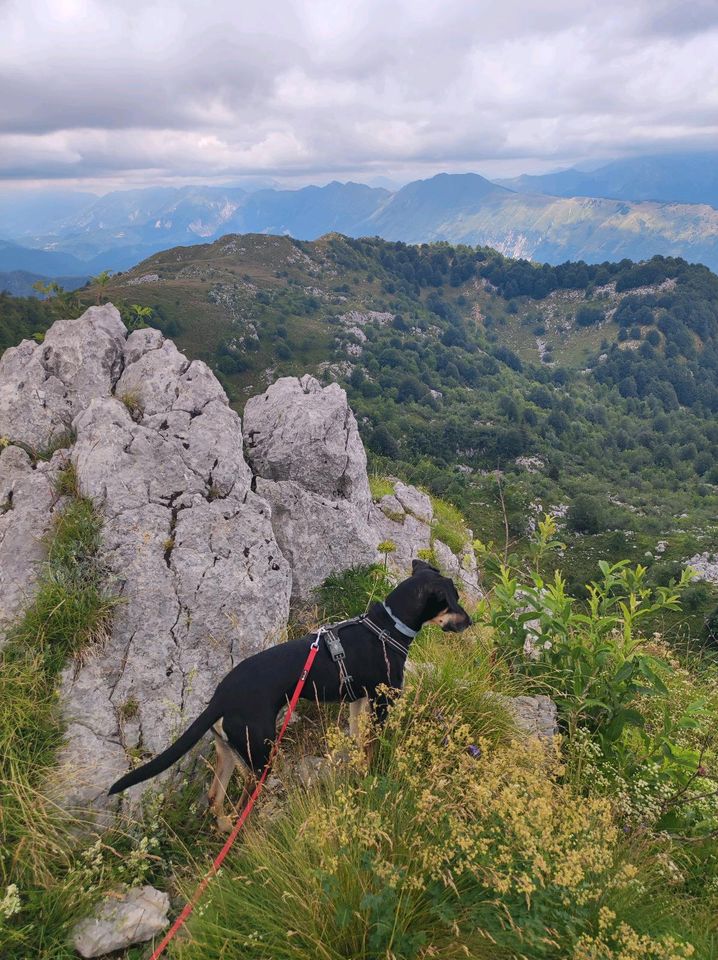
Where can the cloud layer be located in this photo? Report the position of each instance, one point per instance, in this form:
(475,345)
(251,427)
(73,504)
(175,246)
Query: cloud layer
(148,90)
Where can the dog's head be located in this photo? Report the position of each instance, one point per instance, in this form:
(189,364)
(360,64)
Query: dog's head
(441,598)
(428,597)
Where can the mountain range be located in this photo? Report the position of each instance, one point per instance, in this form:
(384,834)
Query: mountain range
(629,208)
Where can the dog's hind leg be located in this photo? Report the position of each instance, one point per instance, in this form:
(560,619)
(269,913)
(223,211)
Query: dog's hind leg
(226,760)
(360,727)
(358,710)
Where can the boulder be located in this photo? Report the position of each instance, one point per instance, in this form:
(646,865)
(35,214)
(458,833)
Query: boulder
(534,716)
(134,916)
(304,447)
(298,430)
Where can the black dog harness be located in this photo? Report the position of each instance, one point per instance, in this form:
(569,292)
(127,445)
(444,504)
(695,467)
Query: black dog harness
(330,635)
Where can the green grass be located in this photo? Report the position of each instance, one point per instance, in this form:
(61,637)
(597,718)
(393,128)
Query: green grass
(448,525)
(437,850)
(380,487)
(349,594)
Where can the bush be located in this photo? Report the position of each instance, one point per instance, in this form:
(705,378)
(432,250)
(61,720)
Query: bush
(586,514)
(589,316)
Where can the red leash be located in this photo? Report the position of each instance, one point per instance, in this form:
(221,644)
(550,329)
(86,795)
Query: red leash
(202,886)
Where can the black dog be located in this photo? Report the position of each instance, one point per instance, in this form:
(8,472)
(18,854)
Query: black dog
(249,698)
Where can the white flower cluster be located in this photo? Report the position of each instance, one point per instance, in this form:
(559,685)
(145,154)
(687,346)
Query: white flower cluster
(10,903)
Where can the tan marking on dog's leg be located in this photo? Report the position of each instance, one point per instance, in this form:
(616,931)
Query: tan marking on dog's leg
(225,766)
(370,749)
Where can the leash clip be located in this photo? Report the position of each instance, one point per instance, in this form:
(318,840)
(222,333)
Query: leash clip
(314,645)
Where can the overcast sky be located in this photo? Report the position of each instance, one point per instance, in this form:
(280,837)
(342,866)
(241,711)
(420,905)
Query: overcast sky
(113,93)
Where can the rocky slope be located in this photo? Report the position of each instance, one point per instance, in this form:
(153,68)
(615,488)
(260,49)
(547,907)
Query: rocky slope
(203,548)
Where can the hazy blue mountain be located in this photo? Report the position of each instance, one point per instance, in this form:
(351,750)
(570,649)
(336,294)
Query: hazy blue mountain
(310,212)
(19,283)
(118,230)
(674,178)
(44,262)
(27,212)
(429,209)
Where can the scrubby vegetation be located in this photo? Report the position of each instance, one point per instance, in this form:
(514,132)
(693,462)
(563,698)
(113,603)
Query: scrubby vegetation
(464,840)
(509,391)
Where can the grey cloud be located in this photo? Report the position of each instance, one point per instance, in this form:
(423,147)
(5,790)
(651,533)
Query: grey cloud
(163,90)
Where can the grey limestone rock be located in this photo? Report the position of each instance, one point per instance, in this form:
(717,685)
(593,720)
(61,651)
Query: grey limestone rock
(407,532)
(28,504)
(44,385)
(318,535)
(461,568)
(304,446)
(132,916)
(187,546)
(415,502)
(298,430)
(405,518)
(534,716)
(202,580)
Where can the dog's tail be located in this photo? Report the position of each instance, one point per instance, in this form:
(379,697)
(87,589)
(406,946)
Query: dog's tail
(169,756)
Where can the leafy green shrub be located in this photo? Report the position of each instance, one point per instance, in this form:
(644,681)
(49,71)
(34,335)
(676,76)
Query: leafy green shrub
(593,660)
(589,316)
(586,514)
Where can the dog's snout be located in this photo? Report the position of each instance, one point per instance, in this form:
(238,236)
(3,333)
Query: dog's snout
(456,622)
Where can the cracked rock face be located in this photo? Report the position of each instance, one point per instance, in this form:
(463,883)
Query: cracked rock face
(304,446)
(298,430)
(28,505)
(44,385)
(188,547)
(405,518)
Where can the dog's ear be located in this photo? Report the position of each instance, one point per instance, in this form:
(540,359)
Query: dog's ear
(418,565)
(448,590)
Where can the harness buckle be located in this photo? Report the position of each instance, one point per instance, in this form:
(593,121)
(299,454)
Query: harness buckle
(334,646)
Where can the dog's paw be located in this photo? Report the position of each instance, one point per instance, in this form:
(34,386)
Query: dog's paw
(224,824)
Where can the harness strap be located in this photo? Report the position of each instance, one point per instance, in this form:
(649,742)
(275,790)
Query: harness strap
(385,637)
(338,655)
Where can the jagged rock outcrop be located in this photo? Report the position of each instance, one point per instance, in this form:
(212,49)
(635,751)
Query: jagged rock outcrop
(43,386)
(188,546)
(304,447)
